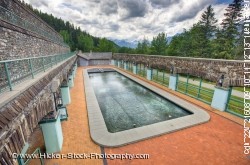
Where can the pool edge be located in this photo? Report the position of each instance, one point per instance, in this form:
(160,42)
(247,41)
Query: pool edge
(102,137)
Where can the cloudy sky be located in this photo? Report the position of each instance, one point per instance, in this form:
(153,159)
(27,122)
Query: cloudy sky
(130,20)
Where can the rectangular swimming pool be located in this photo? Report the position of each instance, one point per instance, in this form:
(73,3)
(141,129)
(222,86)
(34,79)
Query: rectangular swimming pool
(125,104)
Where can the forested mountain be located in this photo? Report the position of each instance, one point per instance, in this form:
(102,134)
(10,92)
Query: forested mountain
(74,36)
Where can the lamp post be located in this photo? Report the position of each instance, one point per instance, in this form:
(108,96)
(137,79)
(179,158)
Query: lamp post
(171,70)
(221,80)
(54,87)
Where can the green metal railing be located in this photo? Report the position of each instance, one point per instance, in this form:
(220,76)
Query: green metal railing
(130,66)
(196,91)
(160,76)
(122,64)
(141,70)
(14,19)
(36,155)
(235,105)
(13,72)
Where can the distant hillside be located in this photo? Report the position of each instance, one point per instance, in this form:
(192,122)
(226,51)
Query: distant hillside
(124,43)
(76,38)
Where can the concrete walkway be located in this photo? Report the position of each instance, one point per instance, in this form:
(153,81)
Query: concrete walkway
(76,130)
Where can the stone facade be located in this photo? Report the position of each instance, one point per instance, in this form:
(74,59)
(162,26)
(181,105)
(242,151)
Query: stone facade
(23,12)
(210,69)
(19,117)
(16,45)
(17,42)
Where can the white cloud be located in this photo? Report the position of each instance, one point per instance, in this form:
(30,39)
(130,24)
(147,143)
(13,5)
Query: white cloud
(129,19)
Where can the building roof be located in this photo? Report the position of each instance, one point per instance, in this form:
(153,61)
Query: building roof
(96,55)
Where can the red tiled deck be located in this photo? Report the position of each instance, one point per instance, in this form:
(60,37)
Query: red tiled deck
(220,141)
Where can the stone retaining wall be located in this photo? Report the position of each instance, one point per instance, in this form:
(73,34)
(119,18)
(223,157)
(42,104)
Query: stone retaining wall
(210,69)
(17,42)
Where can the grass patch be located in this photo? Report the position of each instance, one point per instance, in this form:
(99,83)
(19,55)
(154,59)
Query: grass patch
(241,89)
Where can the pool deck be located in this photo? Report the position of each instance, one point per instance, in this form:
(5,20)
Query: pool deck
(219,141)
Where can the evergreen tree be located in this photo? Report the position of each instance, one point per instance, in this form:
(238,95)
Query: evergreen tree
(159,44)
(208,21)
(206,29)
(74,36)
(231,24)
(143,47)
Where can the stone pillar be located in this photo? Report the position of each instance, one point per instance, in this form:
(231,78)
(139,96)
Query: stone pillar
(134,68)
(172,82)
(149,73)
(119,63)
(220,98)
(125,65)
(71,81)
(66,99)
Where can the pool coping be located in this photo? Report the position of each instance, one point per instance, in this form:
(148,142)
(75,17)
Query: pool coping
(102,137)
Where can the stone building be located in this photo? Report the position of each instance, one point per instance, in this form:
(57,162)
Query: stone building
(94,58)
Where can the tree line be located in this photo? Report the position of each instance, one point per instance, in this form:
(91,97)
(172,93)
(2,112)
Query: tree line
(205,39)
(74,36)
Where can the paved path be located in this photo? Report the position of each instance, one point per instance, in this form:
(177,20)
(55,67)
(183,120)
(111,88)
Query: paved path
(76,137)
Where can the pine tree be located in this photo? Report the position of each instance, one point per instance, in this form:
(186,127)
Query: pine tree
(206,29)
(143,47)
(208,21)
(231,25)
(159,44)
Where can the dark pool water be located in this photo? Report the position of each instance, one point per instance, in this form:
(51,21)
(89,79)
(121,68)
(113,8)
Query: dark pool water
(125,104)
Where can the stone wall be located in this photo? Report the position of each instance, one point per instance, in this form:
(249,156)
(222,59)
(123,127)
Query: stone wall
(19,117)
(16,45)
(210,69)
(17,42)
(25,13)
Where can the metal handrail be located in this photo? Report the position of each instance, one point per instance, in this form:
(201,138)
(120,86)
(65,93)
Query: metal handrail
(31,58)
(12,72)
(16,20)
(23,162)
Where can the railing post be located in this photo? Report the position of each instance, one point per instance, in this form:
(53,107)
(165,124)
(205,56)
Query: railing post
(199,91)
(43,64)
(157,74)
(51,64)
(140,69)
(228,98)
(187,84)
(163,78)
(55,60)
(152,74)
(177,80)
(31,68)
(8,75)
